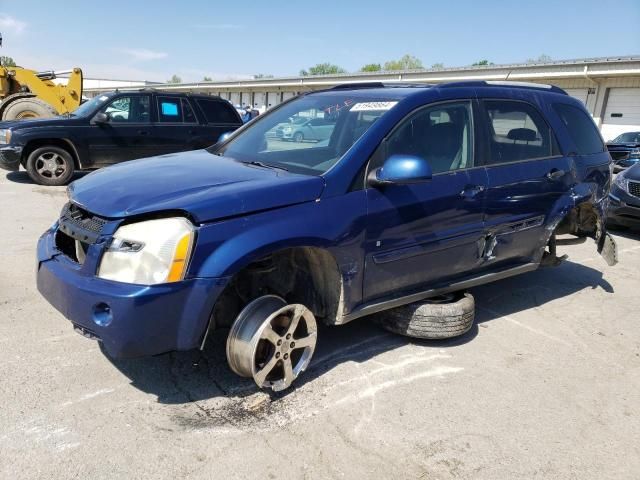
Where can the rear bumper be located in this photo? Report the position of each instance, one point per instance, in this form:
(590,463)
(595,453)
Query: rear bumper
(10,157)
(130,320)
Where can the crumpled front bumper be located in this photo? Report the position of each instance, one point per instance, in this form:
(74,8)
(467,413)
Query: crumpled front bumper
(10,157)
(130,320)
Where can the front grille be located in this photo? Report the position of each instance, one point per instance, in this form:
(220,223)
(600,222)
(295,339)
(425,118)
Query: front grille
(634,188)
(619,155)
(72,215)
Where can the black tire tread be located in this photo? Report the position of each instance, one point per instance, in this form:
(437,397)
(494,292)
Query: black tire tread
(431,320)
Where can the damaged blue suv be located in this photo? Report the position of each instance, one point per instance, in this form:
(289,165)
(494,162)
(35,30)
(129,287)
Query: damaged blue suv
(415,193)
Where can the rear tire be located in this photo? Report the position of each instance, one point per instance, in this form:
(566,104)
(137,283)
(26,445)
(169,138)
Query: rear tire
(441,317)
(298,137)
(49,165)
(22,108)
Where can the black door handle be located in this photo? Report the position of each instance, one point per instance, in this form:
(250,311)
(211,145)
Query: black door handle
(471,191)
(143,132)
(192,132)
(555,174)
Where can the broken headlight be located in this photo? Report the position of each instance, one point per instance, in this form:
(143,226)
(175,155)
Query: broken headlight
(621,182)
(149,252)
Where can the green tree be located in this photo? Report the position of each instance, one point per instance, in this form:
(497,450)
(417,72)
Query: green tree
(174,79)
(371,67)
(482,63)
(437,66)
(323,69)
(206,79)
(7,61)
(407,62)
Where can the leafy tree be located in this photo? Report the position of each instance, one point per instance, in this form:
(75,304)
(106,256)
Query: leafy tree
(437,66)
(206,79)
(323,69)
(371,67)
(541,59)
(174,79)
(407,62)
(482,63)
(7,61)
(258,76)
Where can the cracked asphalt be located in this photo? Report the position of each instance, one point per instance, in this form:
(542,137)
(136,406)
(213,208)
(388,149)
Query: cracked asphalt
(544,386)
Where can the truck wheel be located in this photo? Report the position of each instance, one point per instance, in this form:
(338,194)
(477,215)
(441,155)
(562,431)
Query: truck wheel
(27,108)
(272,342)
(50,165)
(445,316)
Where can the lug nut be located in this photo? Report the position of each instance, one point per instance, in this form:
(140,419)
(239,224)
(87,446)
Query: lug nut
(288,336)
(279,342)
(277,354)
(286,355)
(293,344)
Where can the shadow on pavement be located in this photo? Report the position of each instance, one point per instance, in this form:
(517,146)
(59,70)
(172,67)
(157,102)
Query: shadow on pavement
(23,177)
(183,377)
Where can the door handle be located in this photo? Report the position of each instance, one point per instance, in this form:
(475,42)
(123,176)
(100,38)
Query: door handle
(143,132)
(471,191)
(555,174)
(192,132)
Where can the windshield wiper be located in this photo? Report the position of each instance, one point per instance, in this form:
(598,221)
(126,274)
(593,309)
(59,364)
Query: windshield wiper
(265,165)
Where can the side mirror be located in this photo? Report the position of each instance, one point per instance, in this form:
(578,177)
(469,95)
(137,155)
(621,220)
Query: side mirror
(100,117)
(401,170)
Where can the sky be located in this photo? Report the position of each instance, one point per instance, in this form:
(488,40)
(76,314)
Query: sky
(152,40)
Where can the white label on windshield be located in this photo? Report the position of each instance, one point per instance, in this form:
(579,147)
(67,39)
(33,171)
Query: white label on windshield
(104,98)
(372,106)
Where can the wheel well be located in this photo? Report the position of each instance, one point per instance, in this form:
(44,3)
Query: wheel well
(306,275)
(57,142)
(582,221)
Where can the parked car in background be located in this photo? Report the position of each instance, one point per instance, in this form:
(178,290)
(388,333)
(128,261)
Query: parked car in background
(310,128)
(624,199)
(112,128)
(417,192)
(624,150)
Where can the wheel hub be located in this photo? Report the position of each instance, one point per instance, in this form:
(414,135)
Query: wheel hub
(272,342)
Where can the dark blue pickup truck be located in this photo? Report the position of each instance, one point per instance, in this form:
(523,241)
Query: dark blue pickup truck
(417,194)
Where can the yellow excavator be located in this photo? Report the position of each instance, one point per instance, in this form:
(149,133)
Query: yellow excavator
(29,94)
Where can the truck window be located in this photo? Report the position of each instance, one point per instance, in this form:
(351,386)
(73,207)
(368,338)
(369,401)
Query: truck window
(216,111)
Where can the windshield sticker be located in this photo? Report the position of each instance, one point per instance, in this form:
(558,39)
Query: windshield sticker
(337,107)
(372,106)
(103,98)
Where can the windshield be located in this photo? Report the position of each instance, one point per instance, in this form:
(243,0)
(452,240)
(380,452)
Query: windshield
(309,134)
(628,137)
(87,108)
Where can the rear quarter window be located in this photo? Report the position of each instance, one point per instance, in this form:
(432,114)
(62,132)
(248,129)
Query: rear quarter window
(582,130)
(216,111)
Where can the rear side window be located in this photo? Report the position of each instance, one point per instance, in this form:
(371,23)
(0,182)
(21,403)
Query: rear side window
(169,110)
(187,112)
(517,132)
(218,112)
(582,130)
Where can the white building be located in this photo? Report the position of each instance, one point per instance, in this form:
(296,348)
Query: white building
(609,87)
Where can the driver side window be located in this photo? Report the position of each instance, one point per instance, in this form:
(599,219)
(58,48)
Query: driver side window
(441,134)
(133,109)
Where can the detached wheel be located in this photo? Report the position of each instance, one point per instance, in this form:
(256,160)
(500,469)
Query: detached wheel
(28,108)
(272,342)
(298,137)
(50,165)
(440,317)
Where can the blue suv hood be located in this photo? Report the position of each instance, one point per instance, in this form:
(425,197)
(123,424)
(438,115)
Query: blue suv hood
(206,186)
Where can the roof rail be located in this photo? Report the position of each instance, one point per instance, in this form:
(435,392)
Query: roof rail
(505,83)
(347,86)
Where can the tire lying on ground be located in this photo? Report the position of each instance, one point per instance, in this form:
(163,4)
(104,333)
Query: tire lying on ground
(440,317)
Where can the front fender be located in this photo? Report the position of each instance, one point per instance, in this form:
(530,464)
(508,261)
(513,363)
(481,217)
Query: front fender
(336,224)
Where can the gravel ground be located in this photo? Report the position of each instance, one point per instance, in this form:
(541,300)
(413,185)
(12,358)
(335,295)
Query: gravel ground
(544,386)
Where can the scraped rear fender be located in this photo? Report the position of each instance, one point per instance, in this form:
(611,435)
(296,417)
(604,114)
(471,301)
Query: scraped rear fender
(582,212)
